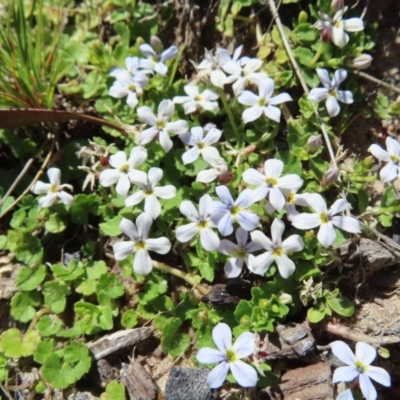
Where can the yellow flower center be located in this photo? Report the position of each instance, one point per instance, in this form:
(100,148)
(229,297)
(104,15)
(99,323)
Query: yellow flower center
(262,102)
(202,224)
(394,158)
(161,125)
(198,98)
(361,368)
(235,210)
(140,245)
(290,198)
(240,253)
(53,188)
(271,182)
(132,87)
(124,169)
(277,252)
(324,218)
(230,354)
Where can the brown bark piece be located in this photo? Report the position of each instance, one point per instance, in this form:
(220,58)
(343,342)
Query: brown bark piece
(118,340)
(309,383)
(138,382)
(371,254)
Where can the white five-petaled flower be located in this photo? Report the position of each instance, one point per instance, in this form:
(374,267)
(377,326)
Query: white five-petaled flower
(244,71)
(276,250)
(132,67)
(149,191)
(122,169)
(392,157)
(211,66)
(219,170)
(227,211)
(196,100)
(271,184)
(140,244)
(228,357)
(53,190)
(160,125)
(326,219)
(201,223)
(331,91)
(239,253)
(200,144)
(359,366)
(157,57)
(263,103)
(128,86)
(337,27)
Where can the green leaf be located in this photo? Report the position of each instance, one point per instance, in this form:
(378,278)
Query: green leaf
(304,55)
(386,220)
(175,345)
(43,350)
(55,294)
(305,33)
(315,315)
(48,326)
(129,319)
(30,278)
(22,305)
(114,391)
(3,367)
(83,205)
(207,271)
(389,197)
(341,305)
(71,272)
(65,367)
(243,312)
(55,224)
(111,227)
(30,250)
(15,345)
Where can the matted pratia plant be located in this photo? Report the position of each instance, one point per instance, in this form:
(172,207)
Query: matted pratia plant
(232,172)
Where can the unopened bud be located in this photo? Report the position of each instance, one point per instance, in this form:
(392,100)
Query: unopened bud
(326,34)
(156,44)
(362,62)
(314,142)
(207,128)
(303,17)
(225,177)
(332,175)
(285,298)
(337,5)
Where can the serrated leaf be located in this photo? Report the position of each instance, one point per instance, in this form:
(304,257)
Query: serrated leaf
(30,250)
(30,278)
(55,224)
(55,294)
(15,345)
(43,350)
(48,326)
(22,305)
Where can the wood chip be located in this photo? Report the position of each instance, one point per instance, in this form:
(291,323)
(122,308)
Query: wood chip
(139,383)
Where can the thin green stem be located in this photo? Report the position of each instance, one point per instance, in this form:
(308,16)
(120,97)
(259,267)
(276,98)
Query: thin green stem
(318,54)
(389,209)
(40,313)
(195,118)
(371,178)
(231,117)
(180,274)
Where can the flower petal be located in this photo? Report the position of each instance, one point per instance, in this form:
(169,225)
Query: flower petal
(379,375)
(207,176)
(225,226)
(345,96)
(146,115)
(273,168)
(206,355)
(129,229)
(253,177)
(142,263)
(326,234)
(259,238)
(365,353)
(367,388)
(277,229)
(261,263)
(293,243)
(132,100)
(47,200)
(177,127)
(247,220)
(244,345)
(134,198)
(290,182)
(184,233)
(154,176)
(346,395)
(339,37)
(147,50)
(338,77)
(137,157)
(148,135)
(244,374)
(338,206)
(252,113)
(225,195)
(160,245)
(280,98)
(190,155)
(379,153)
(306,221)
(209,239)
(389,172)
(165,141)
(42,188)
(54,175)
(123,185)
(233,267)
(343,352)
(188,209)
(353,24)
(345,374)
(332,106)
(273,113)
(348,224)
(317,203)
(161,68)
(143,224)
(318,94)
(393,147)
(66,198)
(123,249)
(285,265)
(152,206)
(276,198)
(217,376)
(323,76)
(169,53)
(222,336)
(266,88)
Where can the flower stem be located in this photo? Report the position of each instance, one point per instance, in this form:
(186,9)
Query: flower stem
(40,313)
(371,178)
(318,54)
(180,274)
(389,209)
(231,117)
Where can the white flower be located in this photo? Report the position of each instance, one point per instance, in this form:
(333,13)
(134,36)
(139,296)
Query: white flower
(139,244)
(132,66)
(149,191)
(271,184)
(130,86)
(227,211)
(160,125)
(240,252)
(263,103)
(228,357)
(122,169)
(200,145)
(331,91)
(325,219)
(53,190)
(157,60)
(194,100)
(337,26)
(211,66)
(276,250)
(392,157)
(346,395)
(358,366)
(201,224)
(219,170)
(244,71)
(293,199)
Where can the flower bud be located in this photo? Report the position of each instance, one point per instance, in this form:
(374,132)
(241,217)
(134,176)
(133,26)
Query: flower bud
(362,62)
(332,175)
(337,5)
(156,44)
(285,298)
(314,142)
(303,17)
(326,34)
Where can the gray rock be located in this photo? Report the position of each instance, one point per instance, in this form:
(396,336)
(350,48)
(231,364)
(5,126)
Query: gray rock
(188,384)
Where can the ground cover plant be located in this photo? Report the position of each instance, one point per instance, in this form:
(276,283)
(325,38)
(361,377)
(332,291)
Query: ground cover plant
(233,167)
